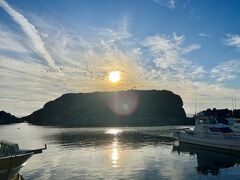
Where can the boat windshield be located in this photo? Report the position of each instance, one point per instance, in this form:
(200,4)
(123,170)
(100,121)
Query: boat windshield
(221,129)
(8,148)
(207,121)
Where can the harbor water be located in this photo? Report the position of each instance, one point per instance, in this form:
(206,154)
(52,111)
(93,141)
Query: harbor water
(117,153)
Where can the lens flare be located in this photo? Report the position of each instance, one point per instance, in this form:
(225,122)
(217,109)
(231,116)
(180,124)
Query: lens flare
(124,103)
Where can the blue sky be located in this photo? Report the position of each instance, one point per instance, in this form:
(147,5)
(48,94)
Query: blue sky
(48,48)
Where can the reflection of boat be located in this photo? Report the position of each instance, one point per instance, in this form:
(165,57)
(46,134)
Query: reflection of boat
(210,160)
(12,158)
(208,132)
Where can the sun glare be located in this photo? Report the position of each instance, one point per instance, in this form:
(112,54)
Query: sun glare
(114,76)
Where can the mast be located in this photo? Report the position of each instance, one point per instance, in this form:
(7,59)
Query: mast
(235,103)
(195,105)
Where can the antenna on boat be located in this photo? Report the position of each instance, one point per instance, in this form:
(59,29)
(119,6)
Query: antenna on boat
(195,102)
(235,102)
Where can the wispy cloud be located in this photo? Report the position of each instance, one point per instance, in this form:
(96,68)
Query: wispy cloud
(203,35)
(30,30)
(171,4)
(27,84)
(168,55)
(233,40)
(193,14)
(10,42)
(225,71)
(228,70)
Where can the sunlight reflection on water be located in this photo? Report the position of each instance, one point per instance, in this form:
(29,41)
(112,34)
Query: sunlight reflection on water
(113,131)
(115,155)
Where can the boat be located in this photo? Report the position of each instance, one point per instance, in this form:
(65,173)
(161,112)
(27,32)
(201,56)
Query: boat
(12,158)
(209,132)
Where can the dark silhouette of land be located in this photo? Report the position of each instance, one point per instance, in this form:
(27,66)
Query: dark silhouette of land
(7,118)
(122,108)
(222,114)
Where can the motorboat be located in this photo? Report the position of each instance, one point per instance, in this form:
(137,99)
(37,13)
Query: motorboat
(12,158)
(209,132)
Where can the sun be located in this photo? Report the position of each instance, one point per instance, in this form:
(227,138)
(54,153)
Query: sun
(114,76)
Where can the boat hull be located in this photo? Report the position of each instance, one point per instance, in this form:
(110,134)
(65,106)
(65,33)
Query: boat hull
(235,129)
(210,142)
(11,165)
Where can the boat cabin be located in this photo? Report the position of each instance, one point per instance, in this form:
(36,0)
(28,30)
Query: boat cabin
(232,121)
(205,120)
(8,148)
(209,124)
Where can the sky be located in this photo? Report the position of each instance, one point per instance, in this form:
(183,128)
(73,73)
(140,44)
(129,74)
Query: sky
(48,48)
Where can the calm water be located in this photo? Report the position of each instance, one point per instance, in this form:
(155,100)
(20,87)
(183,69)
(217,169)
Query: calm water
(117,153)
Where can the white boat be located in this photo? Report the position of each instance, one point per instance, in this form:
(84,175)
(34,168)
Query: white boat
(208,132)
(12,158)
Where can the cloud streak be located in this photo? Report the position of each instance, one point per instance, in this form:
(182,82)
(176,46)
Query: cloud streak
(168,55)
(233,40)
(226,71)
(30,30)
(10,42)
(203,35)
(171,4)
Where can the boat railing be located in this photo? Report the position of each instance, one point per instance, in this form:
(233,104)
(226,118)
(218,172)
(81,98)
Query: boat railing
(36,151)
(224,136)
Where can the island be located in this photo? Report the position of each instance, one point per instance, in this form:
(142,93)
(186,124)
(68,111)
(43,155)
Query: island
(120,108)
